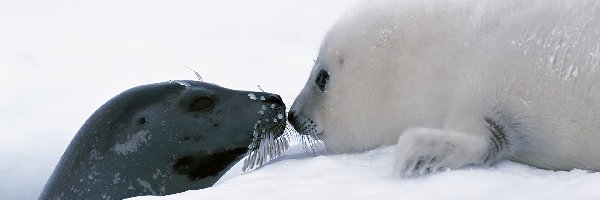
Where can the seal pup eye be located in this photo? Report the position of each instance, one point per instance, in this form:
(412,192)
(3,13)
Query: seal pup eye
(202,104)
(322,79)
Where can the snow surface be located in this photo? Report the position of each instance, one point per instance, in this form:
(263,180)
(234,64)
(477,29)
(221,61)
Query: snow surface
(368,176)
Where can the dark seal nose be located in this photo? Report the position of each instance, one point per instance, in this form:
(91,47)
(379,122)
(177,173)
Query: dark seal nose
(273,98)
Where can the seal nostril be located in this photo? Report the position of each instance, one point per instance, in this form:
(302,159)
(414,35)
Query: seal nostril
(279,98)
(291,115)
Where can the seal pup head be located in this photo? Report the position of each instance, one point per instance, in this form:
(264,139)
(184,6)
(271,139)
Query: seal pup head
(365,87)
(166,138)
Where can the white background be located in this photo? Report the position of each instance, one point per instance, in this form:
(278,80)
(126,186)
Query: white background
(61,60)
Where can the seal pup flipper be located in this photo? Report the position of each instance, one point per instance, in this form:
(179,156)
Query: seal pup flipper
(423,150)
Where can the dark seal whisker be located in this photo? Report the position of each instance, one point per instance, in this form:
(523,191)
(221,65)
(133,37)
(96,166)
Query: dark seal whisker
(268,149)
(196,73)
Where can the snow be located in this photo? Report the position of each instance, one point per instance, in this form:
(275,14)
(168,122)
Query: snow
(368,175)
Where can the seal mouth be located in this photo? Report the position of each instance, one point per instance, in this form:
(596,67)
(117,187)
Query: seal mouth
(270,138)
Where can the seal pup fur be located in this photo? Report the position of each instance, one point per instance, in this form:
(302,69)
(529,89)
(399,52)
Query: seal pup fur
(460,82)
(165,138)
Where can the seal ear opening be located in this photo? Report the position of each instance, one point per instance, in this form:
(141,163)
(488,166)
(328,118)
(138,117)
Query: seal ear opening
(141,121)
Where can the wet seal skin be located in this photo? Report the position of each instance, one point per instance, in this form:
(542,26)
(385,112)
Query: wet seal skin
(165,138)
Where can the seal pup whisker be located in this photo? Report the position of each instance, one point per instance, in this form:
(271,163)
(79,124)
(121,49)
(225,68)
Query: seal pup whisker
(311,143)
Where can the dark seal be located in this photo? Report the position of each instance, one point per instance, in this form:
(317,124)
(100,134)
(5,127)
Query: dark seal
(164,138)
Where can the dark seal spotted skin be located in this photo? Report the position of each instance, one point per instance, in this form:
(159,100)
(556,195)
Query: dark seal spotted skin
(162,139)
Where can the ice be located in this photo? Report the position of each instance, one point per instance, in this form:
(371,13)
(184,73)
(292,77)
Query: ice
(368,175)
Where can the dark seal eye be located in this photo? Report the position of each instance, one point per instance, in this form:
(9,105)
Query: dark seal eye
(202,104)
(322,79)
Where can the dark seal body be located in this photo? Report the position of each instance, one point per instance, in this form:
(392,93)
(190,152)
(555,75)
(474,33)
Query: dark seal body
(161,139)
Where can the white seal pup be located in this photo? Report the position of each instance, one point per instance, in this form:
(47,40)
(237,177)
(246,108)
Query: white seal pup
(460,82)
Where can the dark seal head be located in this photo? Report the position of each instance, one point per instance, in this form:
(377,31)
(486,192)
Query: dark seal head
(164,138)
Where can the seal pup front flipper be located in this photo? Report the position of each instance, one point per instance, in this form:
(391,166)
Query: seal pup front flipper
(424,150)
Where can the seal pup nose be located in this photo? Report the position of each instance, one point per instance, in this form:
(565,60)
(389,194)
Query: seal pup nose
(291,115)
